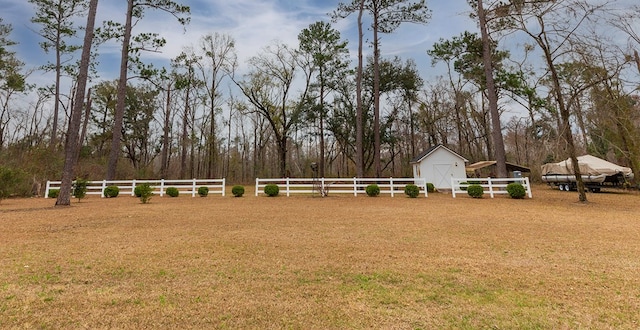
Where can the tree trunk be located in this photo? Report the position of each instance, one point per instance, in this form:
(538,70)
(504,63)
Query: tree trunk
(56,106)
(492,96)
(114,153)
(412,129)
(359,115)
(376,100)
(282,152)
(164,168)
(211,149)
(71,146)
(185,137)
(321,128)
(85,123)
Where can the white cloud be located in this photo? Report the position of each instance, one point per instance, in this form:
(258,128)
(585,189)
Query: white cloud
(253,24)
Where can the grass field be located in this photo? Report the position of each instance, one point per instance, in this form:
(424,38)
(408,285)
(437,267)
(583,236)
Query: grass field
(322,263)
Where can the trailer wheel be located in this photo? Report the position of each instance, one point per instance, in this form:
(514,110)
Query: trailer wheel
(595,189)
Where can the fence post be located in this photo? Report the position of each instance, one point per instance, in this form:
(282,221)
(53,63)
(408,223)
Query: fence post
(104,186)
(257,180)
(526,181)
(46,189)
(490,187)
(133,187)
(424,185)
(391,185)
(355,187)
(287,184)
(161,187)
(453,187)
(224,185)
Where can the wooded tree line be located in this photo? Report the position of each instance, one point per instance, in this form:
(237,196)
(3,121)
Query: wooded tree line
(565,76)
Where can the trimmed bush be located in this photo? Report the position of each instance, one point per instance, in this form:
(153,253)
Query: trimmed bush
(475,190)
(173,192)
(238,191)
(372,190)
(80,189)
(516,190)
(463,188)
(137,190)
(144,191)
(430,187)
(271,190)
(111,191)
(411,190)
(203,191)
(53,193)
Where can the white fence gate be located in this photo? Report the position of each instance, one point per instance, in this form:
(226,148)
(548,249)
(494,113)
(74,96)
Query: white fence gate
(216,186)
(493,185)
(355,186)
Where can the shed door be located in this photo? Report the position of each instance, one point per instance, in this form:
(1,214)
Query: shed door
(442,175)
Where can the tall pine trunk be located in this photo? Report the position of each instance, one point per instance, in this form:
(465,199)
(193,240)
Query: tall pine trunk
(71,145)
(492,96)
(114,153)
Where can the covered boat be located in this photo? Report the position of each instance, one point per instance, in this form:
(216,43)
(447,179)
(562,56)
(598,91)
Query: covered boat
(594,171)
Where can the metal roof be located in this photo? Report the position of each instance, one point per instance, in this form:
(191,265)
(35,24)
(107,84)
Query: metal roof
(487,163)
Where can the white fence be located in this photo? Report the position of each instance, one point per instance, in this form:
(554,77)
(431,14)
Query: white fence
(326,186)
(216,186)
(493,185)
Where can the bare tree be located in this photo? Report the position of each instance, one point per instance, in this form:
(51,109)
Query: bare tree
(218,60)
(269,88)
(552,25)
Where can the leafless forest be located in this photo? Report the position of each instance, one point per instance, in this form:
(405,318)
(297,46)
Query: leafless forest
(566,73)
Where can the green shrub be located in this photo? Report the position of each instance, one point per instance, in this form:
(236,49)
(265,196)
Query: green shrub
(80,188)
(475,190)
(411,190)
(372,190)
(430,187)
(203,191)
(516,190)
(463,188)
(144,191)
(137,190)
(111,191)
(173,192)
(53,193)
(14,182)
(238,191)
(271,190)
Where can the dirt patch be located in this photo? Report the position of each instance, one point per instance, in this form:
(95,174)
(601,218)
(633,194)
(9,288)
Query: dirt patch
(311,262)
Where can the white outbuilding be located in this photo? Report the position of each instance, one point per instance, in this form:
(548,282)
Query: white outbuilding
(438,165)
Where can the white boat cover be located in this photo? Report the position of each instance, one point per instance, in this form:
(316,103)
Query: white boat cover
(589,165)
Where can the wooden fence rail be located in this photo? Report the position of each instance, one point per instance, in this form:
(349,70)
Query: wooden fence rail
(325,186)
(493,185)
(216,186)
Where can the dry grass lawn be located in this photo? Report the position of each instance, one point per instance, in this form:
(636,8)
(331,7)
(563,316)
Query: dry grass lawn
(322,263)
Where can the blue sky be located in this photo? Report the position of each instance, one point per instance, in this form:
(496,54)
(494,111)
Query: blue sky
(253,24)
